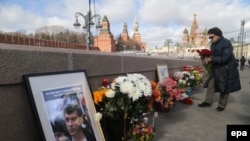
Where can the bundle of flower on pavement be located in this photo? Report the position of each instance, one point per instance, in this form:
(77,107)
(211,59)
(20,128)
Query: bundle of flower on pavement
(188,78)
(183,79)
(127,97)
(156,95)
(195,75)
(142,131)
(170,92)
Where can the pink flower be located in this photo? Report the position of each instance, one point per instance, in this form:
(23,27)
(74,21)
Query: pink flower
(169,88)
(178,75)
(178,97)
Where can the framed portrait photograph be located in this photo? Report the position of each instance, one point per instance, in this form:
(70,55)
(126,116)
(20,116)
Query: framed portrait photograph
(162,72)
(63,106)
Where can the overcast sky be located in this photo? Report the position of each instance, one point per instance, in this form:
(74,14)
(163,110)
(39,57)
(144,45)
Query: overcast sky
(158,19)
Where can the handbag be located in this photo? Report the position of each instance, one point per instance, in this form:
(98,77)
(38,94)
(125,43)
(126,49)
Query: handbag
(221,78)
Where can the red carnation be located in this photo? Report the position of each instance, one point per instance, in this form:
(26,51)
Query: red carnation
(105,82)
(198,51)
(204,53)
(185,68)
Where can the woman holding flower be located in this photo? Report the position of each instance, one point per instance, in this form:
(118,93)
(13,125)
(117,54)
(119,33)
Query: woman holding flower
(223,64)
(209,82)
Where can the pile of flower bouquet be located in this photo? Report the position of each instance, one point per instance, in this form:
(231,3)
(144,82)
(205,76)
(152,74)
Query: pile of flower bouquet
(173,89)
(133,96)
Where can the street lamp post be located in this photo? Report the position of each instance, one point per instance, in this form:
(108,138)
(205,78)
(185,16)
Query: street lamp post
(237,45)
(242,36)
(167,42)
(88,23)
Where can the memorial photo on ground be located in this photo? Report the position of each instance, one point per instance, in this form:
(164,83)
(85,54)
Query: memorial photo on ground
(162,72)
(63,105)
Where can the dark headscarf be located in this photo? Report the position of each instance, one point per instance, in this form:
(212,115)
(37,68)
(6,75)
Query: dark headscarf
(216,31)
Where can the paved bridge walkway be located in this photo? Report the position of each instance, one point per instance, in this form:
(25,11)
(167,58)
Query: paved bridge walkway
(191,123)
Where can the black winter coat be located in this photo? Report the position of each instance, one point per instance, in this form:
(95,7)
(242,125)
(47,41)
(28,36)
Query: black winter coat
(222,55)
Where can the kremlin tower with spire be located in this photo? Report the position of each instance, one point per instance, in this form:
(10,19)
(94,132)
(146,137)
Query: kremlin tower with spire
(106,42)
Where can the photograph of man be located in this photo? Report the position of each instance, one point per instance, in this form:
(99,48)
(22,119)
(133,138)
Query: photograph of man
(74,119)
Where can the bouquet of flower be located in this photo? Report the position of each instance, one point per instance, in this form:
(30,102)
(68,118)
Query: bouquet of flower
(126,97)
(194,75)
(142,131)
(203,54)
(156,94)
(183,79)
(170,92)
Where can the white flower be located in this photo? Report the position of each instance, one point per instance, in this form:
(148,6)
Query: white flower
(186,73)
(110,93)
(141,83)
(148,89)
(126,87)
(134,85)
(120,79)
(135,94)
(141,86)
(178,74)
(98,116)
(191,77)
(112,85)
(135,76)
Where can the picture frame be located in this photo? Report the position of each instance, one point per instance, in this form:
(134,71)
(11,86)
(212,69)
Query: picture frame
(162,72)
(52,93)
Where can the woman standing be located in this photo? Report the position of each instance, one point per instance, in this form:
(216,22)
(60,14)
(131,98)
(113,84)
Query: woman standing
(224,67)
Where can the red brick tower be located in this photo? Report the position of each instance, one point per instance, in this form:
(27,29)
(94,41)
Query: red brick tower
(124,34)
(136,36)
(105,40)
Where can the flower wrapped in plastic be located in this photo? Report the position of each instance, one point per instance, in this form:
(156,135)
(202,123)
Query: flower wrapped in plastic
(183,79)
(170,92)
(193,75)
(142,131)
(156,94)
(203,53)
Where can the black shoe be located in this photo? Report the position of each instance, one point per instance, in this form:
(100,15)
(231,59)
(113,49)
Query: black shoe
(204,104)
(219,109)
